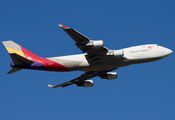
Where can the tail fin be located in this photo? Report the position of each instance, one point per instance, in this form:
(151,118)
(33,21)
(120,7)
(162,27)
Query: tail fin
(12,47)
(19,55)
(19,60)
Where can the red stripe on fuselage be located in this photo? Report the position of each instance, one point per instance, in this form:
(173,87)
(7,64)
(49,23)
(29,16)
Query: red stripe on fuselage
(51,65)
(54,66)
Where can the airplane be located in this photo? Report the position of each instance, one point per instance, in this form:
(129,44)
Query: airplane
(96,60)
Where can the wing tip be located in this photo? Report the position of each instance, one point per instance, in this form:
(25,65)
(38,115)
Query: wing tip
(62,26)
(51,86)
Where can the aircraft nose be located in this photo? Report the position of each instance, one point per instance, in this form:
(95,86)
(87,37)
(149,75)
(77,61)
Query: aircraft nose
(167,51)
(171,51)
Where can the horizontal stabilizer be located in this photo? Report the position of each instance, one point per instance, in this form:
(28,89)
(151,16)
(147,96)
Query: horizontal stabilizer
(18,60)
(14,70)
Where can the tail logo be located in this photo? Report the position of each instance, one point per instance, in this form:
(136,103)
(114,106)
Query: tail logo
(29,58)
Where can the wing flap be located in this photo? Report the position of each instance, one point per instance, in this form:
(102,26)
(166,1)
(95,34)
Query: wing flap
(78,37)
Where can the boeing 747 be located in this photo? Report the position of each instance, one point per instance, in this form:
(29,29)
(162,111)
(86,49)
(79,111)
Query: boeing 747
(96,59)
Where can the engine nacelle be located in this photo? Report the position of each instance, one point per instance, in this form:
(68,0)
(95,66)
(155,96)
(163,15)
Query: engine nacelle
(116,53)
(95,44)
(87,83)
(110,76)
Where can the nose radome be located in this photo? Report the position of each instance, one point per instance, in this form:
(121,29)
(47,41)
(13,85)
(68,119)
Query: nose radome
(171,51)
(167,51)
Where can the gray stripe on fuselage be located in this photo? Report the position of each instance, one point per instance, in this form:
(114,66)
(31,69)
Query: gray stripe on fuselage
(71,64)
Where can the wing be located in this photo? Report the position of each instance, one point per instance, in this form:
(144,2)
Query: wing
(80,80)
(92,47)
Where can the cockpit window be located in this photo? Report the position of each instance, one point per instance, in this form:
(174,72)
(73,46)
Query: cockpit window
(158,45)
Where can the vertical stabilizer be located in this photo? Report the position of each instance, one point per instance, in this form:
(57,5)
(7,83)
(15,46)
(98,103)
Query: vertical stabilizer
(19,55)
(12,48)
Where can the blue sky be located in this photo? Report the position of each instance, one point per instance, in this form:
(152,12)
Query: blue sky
(141,92)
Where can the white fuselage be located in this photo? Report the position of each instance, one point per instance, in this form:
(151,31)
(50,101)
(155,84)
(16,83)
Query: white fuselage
(132,55)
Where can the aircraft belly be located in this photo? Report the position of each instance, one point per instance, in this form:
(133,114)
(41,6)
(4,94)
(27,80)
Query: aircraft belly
(80,63)
(137,61)
(103,66)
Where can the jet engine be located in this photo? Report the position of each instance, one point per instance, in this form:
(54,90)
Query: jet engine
(110,76)
(116,53)
(95,44)
(87,83)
